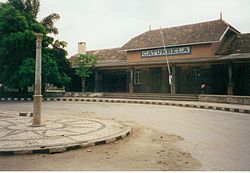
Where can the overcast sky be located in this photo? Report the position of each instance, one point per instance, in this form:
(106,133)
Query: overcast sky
(111,23)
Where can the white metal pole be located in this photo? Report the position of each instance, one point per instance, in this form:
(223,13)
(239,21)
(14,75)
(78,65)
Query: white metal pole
(165,50)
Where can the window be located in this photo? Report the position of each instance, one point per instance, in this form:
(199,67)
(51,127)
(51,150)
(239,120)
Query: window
(196,73)
(137,77)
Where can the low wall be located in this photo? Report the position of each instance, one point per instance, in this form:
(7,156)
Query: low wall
(81,94)
(243,100)
(53,94)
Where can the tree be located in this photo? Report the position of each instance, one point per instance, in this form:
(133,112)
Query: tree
(26,70)
(50,73)
(16,44)
(18,23)
(85,63)
(57,52)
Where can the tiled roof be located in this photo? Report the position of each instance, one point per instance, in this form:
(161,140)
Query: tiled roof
(181,35)
(239,44)
(104,56)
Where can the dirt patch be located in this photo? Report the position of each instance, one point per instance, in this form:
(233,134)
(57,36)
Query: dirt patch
(145,149)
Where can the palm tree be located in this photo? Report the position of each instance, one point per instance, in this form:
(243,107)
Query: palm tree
(48,22)
(31,9)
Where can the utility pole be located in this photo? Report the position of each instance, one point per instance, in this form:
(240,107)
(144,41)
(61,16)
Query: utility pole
(37,94)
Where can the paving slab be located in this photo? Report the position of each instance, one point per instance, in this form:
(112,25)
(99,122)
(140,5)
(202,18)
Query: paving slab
(57,133)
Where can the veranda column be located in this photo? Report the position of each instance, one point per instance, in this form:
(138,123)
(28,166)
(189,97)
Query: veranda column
(96,81)
(230,80)
(131,83)
(173,85)
(37,94)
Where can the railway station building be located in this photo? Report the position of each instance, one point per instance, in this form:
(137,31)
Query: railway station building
(175,60)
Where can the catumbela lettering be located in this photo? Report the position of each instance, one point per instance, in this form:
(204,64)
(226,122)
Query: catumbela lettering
(168,52)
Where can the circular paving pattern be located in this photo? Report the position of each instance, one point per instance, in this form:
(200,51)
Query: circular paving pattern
(58,134)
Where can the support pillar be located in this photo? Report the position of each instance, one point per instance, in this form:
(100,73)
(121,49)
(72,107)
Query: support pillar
(37,94)
(96,81)
(230,80)
(131,83)
(173,85)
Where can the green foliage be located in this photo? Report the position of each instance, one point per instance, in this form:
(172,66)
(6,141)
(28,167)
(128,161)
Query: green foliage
(57,52)
(29,8)
(49,70)
(18,24)
(11,20)
(85,63)
(48,22)
(26,70)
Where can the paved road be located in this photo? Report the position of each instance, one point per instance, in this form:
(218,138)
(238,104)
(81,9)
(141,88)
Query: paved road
(219,140)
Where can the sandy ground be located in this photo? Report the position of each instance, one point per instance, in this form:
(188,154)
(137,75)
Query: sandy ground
(145,149)
(216,140)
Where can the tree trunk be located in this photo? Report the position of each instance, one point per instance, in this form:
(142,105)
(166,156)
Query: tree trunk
(83,84)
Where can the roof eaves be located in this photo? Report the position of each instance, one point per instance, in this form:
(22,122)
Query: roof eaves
(234,30)
(176,45)
(224,33)
(236,56)
(231,27)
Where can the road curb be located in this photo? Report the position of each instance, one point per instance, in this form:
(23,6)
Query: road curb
(151,102)
(69,147)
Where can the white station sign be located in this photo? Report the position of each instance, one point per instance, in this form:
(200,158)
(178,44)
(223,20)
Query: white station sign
(169,51)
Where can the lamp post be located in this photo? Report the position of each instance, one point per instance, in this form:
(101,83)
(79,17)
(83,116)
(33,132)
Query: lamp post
(37,94)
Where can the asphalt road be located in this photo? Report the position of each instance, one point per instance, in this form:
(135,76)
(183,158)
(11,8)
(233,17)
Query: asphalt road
(218,140)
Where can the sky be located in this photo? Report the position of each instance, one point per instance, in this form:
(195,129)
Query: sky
(112,23)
